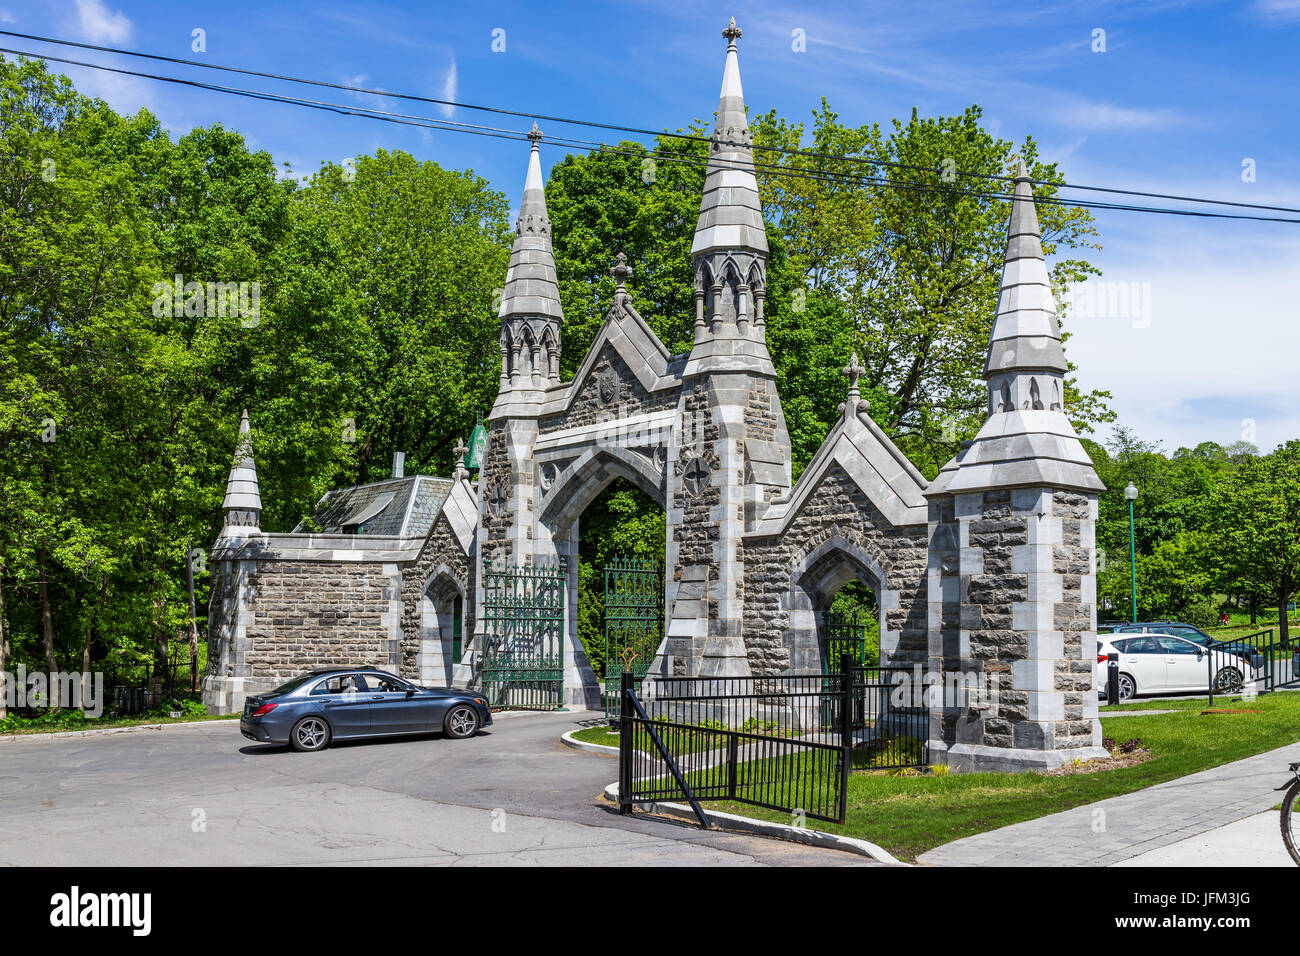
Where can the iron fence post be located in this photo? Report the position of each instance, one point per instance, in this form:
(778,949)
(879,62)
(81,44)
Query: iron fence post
(846,732)
(733,757)
(625,745)
(1209,673)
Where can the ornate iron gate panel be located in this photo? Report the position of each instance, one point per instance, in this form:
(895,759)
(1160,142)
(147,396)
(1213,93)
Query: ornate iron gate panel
(523,628)
(843,634)
(634,623)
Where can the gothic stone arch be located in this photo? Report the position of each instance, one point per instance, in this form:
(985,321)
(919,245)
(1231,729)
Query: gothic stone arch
(838,533)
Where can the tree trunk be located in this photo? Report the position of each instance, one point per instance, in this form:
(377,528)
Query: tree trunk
(160,638)
(4,651)
(194,624)
(1254,610)
(47,616)
(1283,624)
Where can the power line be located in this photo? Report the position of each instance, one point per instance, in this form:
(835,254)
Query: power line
(626,129)
(496,132)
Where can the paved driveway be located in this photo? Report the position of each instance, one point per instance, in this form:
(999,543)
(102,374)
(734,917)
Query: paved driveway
(205,795)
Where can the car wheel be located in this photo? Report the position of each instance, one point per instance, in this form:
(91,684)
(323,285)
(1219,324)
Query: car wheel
(310,733)
(1127,688)
(461,722)
(1227,681)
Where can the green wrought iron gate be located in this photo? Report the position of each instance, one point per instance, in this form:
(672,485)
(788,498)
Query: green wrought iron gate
(634,623)
(523,628)
(843,634)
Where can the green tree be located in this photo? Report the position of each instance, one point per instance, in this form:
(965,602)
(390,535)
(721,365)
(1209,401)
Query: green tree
(1255,521)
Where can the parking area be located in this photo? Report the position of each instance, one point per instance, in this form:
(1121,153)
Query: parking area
(202,794)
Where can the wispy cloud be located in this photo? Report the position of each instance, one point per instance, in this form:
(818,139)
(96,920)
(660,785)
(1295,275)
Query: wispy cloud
(450,87)
(1106,116)
(100,25)
(1277,10)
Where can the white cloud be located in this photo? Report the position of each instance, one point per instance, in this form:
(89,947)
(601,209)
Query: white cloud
(1083,114)
(1218,348)
(100,25)
(450,86)
(1277,9)
(7,17)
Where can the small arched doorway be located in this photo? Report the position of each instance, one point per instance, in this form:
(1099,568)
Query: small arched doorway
(442,629)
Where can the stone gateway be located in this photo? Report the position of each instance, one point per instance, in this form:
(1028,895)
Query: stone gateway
(984,578)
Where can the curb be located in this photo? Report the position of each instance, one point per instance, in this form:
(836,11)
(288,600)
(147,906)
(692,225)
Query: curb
(780,831)
(130,728)
(568,740)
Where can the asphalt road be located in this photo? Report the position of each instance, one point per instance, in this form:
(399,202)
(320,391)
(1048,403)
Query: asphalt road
(203,794)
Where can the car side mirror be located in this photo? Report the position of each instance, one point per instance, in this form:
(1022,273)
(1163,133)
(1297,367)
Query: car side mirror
(410,692)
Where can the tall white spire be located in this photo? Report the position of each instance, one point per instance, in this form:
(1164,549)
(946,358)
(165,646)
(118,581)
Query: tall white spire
(530,311)
(1025,337)
(1027,440)
(731,216)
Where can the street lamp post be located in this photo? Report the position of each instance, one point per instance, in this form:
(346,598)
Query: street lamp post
(1131,494)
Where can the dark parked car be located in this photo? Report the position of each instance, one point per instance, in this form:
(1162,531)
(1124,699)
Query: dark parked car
(351,703)
(1193,633)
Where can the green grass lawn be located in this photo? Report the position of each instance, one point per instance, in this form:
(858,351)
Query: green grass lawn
(597,735)
(909,815)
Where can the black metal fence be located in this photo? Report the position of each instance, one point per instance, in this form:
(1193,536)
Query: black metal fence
(784,743)
(134,687)
(1256,662)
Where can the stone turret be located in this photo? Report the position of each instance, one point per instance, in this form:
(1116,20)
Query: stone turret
(530,311)
(729,251)
(243,502)
(727,457)
(1012,577)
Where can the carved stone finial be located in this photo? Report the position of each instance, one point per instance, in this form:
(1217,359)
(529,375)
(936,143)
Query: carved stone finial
(534,134)
(854,371)
(621,272)
(732,33)
(460,451)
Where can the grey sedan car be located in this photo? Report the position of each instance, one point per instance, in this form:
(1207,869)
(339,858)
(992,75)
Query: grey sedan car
(352,703)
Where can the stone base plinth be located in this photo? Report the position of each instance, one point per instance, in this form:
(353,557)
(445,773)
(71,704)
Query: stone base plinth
(969,758)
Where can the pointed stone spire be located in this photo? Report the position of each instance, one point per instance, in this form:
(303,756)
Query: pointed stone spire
(530,311)
(731,216)
(1026,337)
(243,503)
(1027,440)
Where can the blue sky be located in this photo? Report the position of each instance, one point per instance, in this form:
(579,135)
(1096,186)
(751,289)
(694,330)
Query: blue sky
(1183,93)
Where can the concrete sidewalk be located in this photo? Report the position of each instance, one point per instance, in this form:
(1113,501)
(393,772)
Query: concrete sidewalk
(1132,826)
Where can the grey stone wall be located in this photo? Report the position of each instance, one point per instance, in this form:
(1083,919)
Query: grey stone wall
(780,579)
(305,615)
(496,471)
(610,390)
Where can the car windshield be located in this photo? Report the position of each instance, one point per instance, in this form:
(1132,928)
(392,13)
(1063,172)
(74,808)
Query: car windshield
(293,685)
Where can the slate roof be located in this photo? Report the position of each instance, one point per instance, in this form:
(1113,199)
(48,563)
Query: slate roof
(397,507)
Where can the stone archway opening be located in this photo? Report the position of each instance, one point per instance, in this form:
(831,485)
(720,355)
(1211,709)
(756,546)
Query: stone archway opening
(834,608)
(442,630)
(621,522)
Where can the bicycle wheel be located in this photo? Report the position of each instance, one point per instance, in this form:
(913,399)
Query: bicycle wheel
(1291,821)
